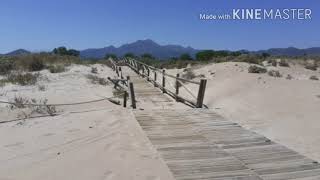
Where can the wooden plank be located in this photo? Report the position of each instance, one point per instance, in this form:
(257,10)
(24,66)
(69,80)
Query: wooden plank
(132,95)
(200,144)
(203,145)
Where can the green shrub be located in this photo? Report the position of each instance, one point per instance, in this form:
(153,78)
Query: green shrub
(57,68)
(283,63)
(314,78)
(6,66)
(249,58)
(22,79)
(185,56)
(36,64)
(272,62)
(311,66)
(256,69)
(274,73)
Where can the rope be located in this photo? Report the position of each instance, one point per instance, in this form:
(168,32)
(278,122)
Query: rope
(67,104)
(188,90)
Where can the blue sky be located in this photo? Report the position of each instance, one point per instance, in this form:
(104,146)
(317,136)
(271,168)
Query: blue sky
(42,24)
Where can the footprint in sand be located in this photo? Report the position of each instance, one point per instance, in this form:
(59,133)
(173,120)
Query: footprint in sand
(114,123)
(109,146)
(108,175)
(48,134)
(153,178)
(17,144)
(73,130)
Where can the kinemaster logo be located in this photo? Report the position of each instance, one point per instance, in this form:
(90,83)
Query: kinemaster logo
(260,14)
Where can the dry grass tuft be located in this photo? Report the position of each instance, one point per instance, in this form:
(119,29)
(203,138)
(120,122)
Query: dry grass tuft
(274,73)
(256,69)
(97,80)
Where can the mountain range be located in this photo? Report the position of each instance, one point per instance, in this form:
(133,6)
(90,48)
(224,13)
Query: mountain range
(17,52)
(167,51)
(138,48)
(292,51)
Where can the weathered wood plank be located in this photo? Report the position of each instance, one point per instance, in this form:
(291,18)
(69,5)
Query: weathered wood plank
(199,144)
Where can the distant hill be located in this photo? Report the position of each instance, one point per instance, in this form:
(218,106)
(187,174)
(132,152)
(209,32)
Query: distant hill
(167,51)
(140,47)
(17,52)
(292,51)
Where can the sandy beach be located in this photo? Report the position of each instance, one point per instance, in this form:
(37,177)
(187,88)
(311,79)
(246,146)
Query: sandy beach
(90,141)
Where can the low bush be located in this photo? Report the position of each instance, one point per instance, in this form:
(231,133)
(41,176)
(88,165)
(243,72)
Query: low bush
(289,77)
(311,66)
(118,93)
(249,58)
(22,79)
(36,64)
(19,102)
(256,69)
(97,80)
(6,66)
(283,63)
(57,68)
(188,74)
(39,107)
(273,62)
(94,70)
(274,73)
(41,87)
(315,78)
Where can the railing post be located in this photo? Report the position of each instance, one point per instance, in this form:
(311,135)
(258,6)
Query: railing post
(128,79)
(125,96)
(120,72)
(155,78)
(132,96)
(142,70)
(138,68)
(163,80)
(148,73)
(117,70)
(177,87)
(201,92)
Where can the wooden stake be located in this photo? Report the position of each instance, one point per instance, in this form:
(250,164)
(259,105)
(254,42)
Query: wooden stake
(125,96)
(117,70)
(155,78)
(201,92)
(148,73)
(163,81)
(132,96)
(177,87)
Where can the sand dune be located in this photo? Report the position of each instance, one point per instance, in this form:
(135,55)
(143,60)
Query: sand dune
(90,141)
(103,141)
(286,111)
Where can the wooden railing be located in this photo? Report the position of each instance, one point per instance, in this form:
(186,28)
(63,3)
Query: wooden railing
(126,85)
(153,74)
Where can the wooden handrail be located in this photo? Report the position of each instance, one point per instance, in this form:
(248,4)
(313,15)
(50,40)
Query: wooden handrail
(137,66)
(166,74)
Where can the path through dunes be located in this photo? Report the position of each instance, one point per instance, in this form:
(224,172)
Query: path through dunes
(200,144)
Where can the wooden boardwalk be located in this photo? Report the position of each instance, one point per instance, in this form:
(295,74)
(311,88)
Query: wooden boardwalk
(200,144)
